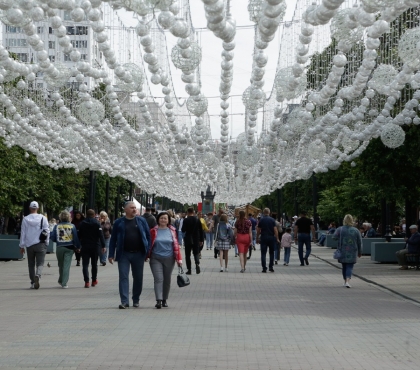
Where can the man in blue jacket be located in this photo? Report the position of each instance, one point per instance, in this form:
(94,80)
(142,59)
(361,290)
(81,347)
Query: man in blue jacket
(412,247)
(130,243)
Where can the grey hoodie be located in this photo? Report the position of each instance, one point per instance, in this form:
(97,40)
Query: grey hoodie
(31,229)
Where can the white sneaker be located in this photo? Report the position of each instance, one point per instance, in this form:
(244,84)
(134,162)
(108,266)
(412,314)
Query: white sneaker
(32,286)
(226,269)
(347,285)
(65,286)
(221,269)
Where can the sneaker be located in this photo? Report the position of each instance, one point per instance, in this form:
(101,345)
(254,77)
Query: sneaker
(64,286)
(236,255)
(78,264)
(221,269)
(36,283)
(275,262)
(188,272)
(32,286)
(226,269)
(271,270)
(123,306)
(103,263)
(242,270)
(197,269)
(94,282)
(306,261)
(264,271)
(87,285)
(248,258)
(136,304)
(285,264)
(348,285)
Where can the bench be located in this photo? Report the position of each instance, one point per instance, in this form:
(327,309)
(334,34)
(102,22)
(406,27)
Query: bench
(330,242)
(11,237)
(385,252)
(412,259)
(9,249)
(367,244)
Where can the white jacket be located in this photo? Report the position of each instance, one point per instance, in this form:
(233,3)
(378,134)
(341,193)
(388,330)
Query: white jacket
(31,229)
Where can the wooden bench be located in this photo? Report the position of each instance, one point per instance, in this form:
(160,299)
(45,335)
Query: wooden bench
(413,260)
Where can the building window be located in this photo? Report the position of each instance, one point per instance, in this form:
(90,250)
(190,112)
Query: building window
(74,85)
(50,31)
(23,57)
(12,29)
(79,44)
(39,74)
(83,56)
(51,44)
(52,58)
(40,30)
(81,30)
(70,30)
(16,42)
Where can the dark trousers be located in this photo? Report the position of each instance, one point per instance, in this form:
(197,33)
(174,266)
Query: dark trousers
(78,256)
(90,255)
(195,250)
(267,243)
(304,239)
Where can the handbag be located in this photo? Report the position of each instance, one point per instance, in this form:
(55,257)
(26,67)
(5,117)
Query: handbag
(182,279)
(215,237)
(44,234)
(337,252)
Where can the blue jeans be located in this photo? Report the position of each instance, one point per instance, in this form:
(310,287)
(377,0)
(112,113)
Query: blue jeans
(209,240)
(304,239)
(254,237)
(347,270)
(321,240)
(104,256)
(287,255)
(270,244)
(180,237)
(136,261)
(277,251)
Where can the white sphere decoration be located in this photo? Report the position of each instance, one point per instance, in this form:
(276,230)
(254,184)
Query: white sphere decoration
(60,80)
(407,47)
(248,156)
(282,83)
(197,105)
(189,63)
(340,29)
(317,149)
(253,98)
(88,110)
(382,77)
(392,135)
(137,78)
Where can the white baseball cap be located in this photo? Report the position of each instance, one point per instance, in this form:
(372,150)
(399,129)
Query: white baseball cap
(34,205)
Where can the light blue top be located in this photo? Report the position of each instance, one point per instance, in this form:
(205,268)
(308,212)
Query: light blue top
(163,244)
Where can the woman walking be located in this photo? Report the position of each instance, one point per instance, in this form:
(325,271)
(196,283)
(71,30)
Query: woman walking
(163,254)
(65,235)
(243,238)
(106,230)
(350,247)
(224,237)
(78,217)
(209,232)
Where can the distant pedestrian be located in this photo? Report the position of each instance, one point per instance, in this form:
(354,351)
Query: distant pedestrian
(163,254)
(209,232)
(412,247)
(243,238)
(268,235)
(93,243)
(106,230)
(65,235)
(254,223)
(277,247)
(78,217)
(286,244)
(303,228)
(129,246)
(216,219)
(224,238)
(193,239)
(148,216)
(33,225)
(350,247)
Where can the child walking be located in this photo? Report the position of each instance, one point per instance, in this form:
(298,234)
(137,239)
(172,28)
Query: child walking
(286,243)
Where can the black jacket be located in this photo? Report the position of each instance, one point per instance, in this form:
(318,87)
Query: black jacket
(150,219)
(90,234)
(193,230)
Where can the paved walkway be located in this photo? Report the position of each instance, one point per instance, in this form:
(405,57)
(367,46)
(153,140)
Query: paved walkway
(294,318)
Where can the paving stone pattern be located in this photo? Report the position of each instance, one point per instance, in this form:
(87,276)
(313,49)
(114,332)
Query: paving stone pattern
(294,318)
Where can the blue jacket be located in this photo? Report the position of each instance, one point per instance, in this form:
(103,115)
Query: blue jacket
(413,243)
(371,233)
(65,235)
(116,244)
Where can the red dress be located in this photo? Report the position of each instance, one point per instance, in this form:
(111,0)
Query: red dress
(243,239)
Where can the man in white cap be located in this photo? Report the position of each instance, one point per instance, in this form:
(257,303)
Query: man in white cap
(34,237)
(412,247)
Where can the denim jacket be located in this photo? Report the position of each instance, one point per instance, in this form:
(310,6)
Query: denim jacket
(65,235)
(116,244)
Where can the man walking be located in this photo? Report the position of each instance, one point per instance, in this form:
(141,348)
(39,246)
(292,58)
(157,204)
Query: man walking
(92,240)
(193,239)
(130,243)
(150,219)
(303,228)
(34,237)
(216,219)
(268,234)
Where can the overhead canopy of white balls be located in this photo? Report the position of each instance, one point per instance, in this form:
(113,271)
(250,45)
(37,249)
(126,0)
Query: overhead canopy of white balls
(325,105)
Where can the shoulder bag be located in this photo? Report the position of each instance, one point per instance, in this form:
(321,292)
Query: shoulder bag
(182,279)
(44,233)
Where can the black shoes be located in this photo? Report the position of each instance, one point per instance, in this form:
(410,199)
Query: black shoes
(158,304)
(306,261)
(164,304)
(123,306)
(275,262)
(302,264)
(197,269)
(248,258)
(188,272)
(271,270)
(264,271)
(78,263)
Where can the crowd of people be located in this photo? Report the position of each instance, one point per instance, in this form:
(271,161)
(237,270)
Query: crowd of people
(158,238)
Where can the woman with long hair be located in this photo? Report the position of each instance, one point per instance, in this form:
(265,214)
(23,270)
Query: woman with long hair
(77,219)
(107,230)
(350,247)
(223,238)
(243,237)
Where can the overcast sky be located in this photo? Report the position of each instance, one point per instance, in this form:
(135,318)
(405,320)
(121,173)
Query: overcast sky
(210,65)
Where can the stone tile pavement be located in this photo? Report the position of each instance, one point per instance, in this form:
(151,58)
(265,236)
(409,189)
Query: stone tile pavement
(294,318)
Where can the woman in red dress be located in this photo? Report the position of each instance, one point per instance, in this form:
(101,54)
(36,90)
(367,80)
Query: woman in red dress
(243,236)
